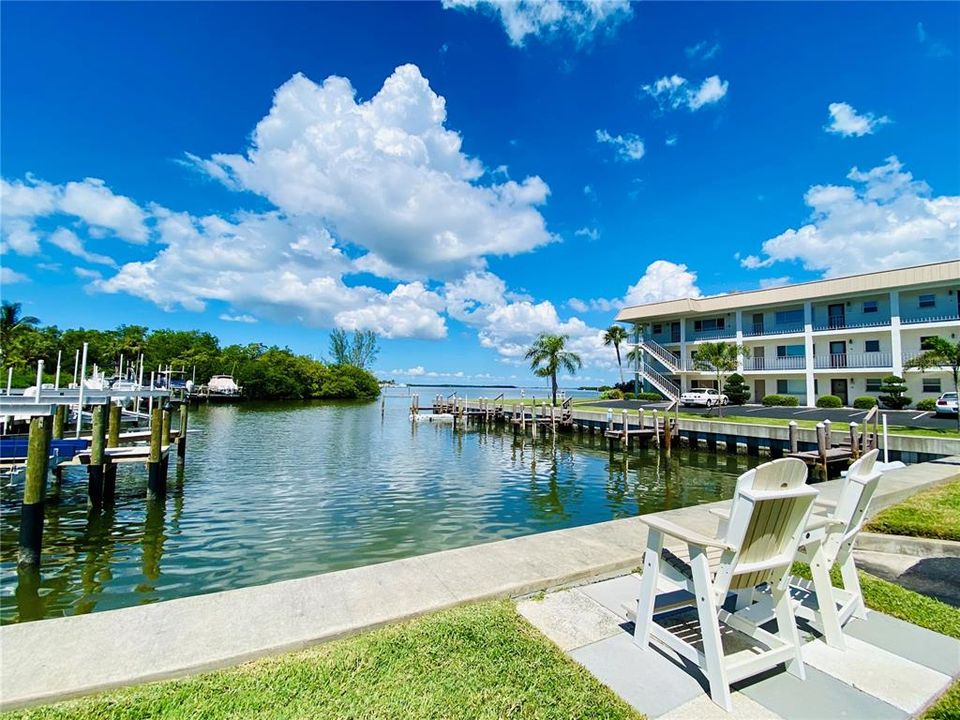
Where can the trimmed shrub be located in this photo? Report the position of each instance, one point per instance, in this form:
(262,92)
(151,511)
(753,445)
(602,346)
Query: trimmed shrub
(736,390)
(928,404)
(865,402)
(614,394)
(650,397)
(894,388)
(780,401)
(829,401)
(629,396)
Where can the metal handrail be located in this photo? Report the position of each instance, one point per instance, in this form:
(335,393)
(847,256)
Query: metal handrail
(854,360)
(664,385)
(660,353)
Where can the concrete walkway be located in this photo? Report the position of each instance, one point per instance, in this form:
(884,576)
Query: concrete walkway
(54,659)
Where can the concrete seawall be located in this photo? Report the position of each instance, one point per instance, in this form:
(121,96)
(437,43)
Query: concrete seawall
(55,659)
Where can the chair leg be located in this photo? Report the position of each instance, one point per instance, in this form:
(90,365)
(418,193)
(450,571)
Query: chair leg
(707,611)
(744,598)
(787,629)
(648,589)
(827,602)
(851,583)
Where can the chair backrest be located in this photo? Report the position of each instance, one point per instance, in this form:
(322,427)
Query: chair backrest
(767,519)
(851,511)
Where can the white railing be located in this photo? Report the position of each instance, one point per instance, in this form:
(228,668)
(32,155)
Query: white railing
(916,320)
(720,334)
(792,362)
(756,330)
(854,360)
(661,383)
(667,358)
(847,324)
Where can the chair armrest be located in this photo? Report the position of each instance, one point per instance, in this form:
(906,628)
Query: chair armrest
(817,522)
(825,503)
(686,534)
(723,513)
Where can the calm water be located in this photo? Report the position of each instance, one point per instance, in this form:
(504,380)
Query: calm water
(278,491)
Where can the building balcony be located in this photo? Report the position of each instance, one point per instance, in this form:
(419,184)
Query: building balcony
(919,319)
(712,335)
(882,360)
(839,323)
(751,364)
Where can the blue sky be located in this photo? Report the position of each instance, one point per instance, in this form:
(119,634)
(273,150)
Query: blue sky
(459,176)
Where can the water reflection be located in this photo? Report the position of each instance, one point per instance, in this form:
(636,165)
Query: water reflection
(280,491)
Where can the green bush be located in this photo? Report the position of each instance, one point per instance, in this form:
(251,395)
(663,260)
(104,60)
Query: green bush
(614,394)
(629,396)
(928,404)
(865,402)
(829,401)
(894,388)
(780,401)
(736,389)
(650,397)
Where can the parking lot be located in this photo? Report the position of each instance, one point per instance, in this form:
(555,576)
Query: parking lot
(902,418)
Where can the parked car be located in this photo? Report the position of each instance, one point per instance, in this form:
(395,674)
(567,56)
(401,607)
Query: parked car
(707,397)
(947,404)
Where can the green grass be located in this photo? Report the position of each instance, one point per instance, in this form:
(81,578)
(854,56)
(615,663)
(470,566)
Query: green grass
(947,707)
(478,661)
(934,513)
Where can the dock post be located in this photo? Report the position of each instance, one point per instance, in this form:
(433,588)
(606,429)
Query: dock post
(59,420)
(792,434)
(640,418)
(656,428)
(854,441)
(34,491)
(828,436)
(156,482)
(113,426)
(182,435)
(626,430)
(165,440)
(822,446)
(668,434)
(113,440)
(553,419)
(95,468)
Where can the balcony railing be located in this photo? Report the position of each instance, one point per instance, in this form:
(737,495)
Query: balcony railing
(793,362)
(854,360)
(757,329)
(850,323)
(917,319)
(721,334)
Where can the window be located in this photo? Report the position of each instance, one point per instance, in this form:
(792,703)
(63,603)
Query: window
(657,328)
(873,384)
(708,325)
(928,301)
(790,351)
(791,387)
(925,342)
(789,317)
(931,385)
(870,306)
(871,346)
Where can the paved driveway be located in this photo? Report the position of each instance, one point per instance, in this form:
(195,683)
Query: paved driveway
(903,418)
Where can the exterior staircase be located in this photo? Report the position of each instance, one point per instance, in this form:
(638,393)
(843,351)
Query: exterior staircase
(662,383)
(663,356)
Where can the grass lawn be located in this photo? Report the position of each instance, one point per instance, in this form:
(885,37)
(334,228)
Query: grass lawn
(934,513)
(478,661)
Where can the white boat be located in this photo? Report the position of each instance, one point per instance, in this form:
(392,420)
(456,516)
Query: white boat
(223,385)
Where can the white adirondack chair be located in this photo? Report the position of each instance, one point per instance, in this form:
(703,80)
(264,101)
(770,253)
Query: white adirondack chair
(768,517)
(833,545)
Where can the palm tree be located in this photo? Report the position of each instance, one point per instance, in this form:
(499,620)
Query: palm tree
(11,322)
(719,358)
(614,335)
(940,352)
(548,354)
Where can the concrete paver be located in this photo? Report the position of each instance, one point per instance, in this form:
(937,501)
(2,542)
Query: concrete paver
(570,619)
(922,646)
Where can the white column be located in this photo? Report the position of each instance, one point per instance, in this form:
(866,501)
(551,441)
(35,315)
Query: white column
(740,341)
(896,346)
(683,355)
(808,352)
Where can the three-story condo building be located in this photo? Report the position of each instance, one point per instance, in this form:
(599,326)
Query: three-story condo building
(829,337)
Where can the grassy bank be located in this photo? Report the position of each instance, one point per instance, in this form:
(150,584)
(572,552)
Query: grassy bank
(479,661)
(934,513)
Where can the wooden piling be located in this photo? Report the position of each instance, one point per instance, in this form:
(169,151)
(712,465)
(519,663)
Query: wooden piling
(828,436)
(182,435)
(156,481)
(822,447)
(656,428)
(34,491)
(792,434)
(59,421)
(854,441)
(95,468)
(667,433)
(113,426)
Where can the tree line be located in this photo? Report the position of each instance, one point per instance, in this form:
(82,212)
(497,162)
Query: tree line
(264,372)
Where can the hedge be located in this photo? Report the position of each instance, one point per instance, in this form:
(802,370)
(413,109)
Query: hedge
(650,397)
(780,401)
(829,401)
(928,404)
(865,402)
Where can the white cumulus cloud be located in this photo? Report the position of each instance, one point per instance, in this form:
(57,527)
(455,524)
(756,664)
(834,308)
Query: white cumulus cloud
(385,175)
(629,146)
(240,318)
(9,276)
(68,241)
(674,92)
(662,280)
(846,121)
(549,18)
(883,219)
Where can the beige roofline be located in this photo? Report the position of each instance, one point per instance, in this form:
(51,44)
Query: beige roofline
(866,282)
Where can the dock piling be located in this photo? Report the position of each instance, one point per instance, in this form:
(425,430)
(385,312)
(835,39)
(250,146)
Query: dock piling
(792,434)
(182,434)
(95,468)
(34,492)
(854,441)
(59,420)
(156,480)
